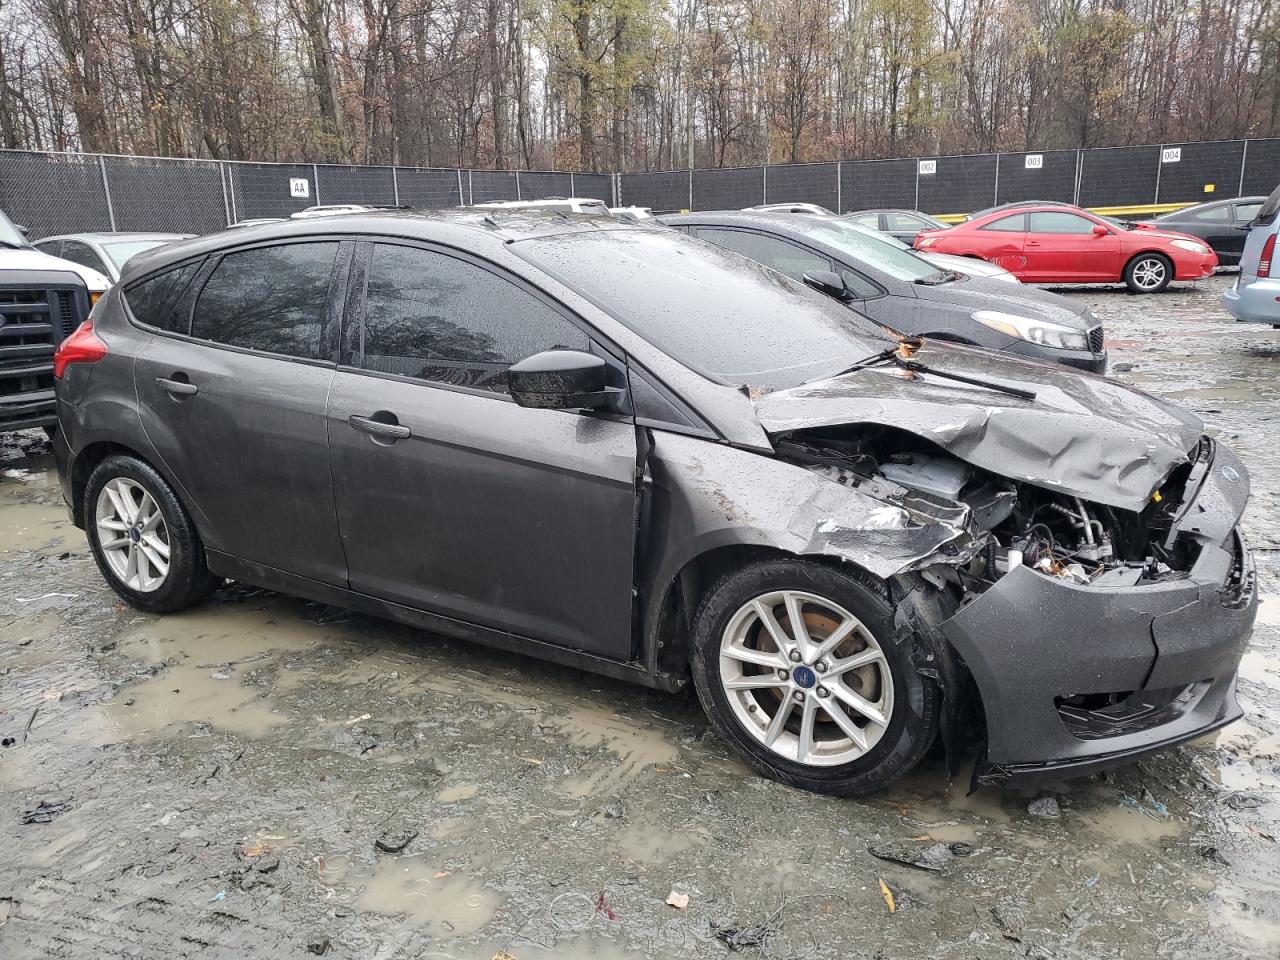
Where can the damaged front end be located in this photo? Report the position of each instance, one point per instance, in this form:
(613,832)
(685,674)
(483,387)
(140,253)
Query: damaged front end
(1092,632)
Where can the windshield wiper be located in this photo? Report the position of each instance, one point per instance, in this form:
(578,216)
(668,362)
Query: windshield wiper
(901,357)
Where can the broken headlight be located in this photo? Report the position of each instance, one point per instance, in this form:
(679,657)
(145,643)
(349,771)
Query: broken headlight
(1034,331)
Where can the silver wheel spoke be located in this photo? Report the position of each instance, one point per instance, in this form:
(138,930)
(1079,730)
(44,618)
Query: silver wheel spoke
(778,722)
(763,658)
(845,723)
(805,748)
(111,523)
(859,659)
(132,537)
(859,703)
(795,619)
(120,543)
(122,503)
(837,637)
(158,563)
(770,622)
(761,681)
(156,544)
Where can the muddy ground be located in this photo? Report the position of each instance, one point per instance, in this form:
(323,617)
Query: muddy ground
(215,782)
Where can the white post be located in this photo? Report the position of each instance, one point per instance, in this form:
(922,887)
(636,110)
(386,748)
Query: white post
(106,188)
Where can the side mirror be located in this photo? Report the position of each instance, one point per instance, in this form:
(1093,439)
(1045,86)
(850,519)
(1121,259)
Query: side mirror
(825,281)
(25,231)
(1099,230)
(561,380)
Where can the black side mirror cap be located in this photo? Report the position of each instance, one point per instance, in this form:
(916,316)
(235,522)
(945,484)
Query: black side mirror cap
(562,380)
(828,282)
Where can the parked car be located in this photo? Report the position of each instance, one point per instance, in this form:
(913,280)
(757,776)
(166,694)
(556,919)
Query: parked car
(873,275)
(1118,222)
(1222,224)
(597,208)
(813,208)
(1255,296)
(902,225)
(509,432)
(334,210)
(1056,245)
(42,300)
(106,253)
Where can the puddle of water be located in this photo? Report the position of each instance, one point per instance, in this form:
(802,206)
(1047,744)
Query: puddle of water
(457,792)
(451,828)
(1120,824)
(43,527)
(425,894)
(637,743)
(650,843)
(214,648)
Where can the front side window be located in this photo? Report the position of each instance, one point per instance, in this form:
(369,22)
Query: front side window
(1014,224)
(154,301)
(784,257)
(121,251)
(273,299)
(1058,222)
(434,317)
(82,254)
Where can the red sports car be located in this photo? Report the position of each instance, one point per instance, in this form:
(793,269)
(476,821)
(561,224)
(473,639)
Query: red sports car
(1055,244)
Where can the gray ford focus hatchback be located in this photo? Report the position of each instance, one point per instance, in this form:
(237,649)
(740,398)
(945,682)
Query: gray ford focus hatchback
(626,450)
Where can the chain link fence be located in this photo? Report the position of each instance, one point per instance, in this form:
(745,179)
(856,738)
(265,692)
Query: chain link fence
(53,193)
(1150,175)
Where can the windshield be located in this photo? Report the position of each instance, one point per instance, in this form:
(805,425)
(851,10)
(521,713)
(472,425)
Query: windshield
(11,236)
(728,318)
(870,247)
(121,252)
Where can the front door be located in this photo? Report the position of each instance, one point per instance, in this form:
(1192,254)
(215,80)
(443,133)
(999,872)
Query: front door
(453,499)
(236,413)
(1062,246)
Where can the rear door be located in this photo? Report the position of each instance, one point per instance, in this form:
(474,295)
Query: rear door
(233,396)
(453,499)
(1232,244)
(1061,246)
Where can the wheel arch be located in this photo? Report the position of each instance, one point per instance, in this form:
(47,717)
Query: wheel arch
(92,454)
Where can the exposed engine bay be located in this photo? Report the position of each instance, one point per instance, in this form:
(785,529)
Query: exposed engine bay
(1011,523)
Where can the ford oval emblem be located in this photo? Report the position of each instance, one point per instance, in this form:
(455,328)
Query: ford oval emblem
(1231,474)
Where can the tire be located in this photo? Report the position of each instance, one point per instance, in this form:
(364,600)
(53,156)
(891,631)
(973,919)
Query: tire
(129,562)
(1155,266)
(836,764)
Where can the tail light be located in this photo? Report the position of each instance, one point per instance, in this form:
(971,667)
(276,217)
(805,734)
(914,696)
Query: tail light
(83,346)
(1264,262)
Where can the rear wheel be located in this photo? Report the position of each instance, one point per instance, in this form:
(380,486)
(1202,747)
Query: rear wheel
(142,538)
(799,666)
(1148,273)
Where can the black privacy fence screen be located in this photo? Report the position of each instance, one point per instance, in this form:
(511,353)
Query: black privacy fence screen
(52,193)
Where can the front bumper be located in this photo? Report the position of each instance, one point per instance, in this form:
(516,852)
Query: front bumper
(1256,302)
(1074,678)
(1192,267)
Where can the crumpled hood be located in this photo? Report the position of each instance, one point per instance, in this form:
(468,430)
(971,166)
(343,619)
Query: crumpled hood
(984,293)
(1083,435)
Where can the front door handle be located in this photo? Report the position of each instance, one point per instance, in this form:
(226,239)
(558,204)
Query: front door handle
(1033,243)
(380,429)
(178,388)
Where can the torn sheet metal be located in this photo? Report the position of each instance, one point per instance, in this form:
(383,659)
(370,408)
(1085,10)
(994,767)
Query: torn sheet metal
(1085,436)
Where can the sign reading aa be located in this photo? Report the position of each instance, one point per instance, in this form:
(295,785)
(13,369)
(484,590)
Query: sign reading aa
(928,166)
(1171,155)
(1034,161)
(300,187)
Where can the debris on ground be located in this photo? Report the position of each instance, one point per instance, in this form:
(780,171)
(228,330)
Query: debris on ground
(1243,801)
(45,811)
(602,907)
(678,900)
(961,849)
(888,896)
(1214,854)
(319,945)
(933,857)
(395,840)
(1045,806)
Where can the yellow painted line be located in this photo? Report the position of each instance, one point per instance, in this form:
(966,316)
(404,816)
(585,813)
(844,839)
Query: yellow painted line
(1152,209)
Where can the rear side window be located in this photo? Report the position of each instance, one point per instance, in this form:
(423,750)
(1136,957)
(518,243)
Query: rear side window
(1014,224)
(784,257)
(1054,222)
(1247,211)
(155,300)
(1213,214)
(435,317)
(273,299)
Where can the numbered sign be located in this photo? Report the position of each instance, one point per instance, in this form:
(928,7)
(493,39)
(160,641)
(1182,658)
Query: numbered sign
(1034,161)
(1171,155)
(300,187)
(927,167)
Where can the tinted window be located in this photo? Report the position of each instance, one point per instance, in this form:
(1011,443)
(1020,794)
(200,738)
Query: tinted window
(859,286)
(786,257)
(904,222)
(435,317)
(1060,222)
(871,220)
(82,254)
(1213,214)
(155,301)
(51,247)
(273,299)
(867,247)
(732,320)
(1014,224)
(1247,211)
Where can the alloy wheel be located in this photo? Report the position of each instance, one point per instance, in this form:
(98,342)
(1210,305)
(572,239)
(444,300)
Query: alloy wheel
(132,535)
(806,678)
(1149,273)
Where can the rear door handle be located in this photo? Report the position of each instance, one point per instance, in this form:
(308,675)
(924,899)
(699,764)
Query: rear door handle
(179,388)
(379,428)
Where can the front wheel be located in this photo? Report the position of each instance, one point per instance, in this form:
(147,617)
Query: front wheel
(1148,273)
(142,538)
(798,665)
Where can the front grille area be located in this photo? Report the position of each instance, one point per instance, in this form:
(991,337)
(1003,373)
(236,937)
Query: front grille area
(1096,339)
(1102,715)
(34,319)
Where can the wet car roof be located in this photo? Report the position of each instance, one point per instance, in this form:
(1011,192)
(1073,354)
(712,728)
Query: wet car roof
(457,225)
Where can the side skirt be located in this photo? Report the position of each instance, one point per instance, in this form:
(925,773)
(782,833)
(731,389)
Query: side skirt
(269,578)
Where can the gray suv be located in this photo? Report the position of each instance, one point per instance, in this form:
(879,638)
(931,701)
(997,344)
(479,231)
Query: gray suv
(626,450)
